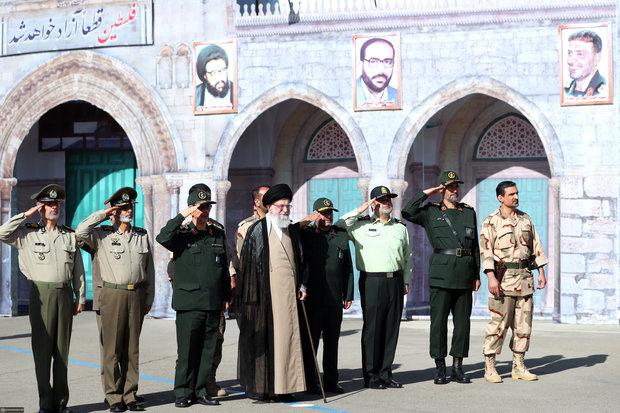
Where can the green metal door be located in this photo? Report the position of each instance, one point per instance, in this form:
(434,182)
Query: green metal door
(91,177)
(345,195)
(533,200)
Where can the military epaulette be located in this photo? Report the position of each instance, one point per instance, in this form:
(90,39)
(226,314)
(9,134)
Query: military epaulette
(107,228)
(216,224)
(437,204)
(248,219)
(398,221)
(68,229)
(32,225)
(467,206)
(184,226)
(363,217)
(139,230)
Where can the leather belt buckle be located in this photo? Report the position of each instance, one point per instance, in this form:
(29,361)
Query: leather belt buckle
(131,287)
(59,286)
(389,274)
(459,252)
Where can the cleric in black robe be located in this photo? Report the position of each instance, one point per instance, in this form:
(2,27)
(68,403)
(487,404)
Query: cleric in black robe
(255,316)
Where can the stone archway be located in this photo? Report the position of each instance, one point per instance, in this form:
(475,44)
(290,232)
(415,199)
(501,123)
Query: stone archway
(275,95)
(106,83)
(418,117)
(117,89)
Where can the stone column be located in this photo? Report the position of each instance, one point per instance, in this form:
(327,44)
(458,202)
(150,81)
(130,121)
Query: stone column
(363,184)
(221,191)
(8,306)
(554,190)
(147,190)
(398,186)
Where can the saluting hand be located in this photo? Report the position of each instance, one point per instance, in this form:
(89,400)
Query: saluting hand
(434,190)
(368,204)
(33,210)
(307,220)
(189,210)
(110,211)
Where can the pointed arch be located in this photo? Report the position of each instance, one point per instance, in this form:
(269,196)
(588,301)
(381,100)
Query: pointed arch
(106,83)
(235,128)
(420,115)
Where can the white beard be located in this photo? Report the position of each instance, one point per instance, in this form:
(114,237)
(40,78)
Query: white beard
(51,217)
(126,219)
(282,221)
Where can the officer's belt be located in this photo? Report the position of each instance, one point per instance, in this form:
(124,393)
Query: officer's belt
(517,265)
(128,287)
(459,252)
(58,285)
(382,274)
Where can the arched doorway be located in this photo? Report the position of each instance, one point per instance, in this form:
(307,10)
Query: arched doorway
(118,90)
(447,136)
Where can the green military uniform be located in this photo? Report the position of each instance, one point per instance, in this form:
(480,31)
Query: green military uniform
(330,283)
(453,270)
(596,87)
(52,261)
(383,257)
(201,286)
(125,265)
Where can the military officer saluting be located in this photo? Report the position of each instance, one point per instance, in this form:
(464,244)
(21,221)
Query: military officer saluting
(125,263)
(49,257)
(383,257)
(200,292)
(330,289)
(453,271)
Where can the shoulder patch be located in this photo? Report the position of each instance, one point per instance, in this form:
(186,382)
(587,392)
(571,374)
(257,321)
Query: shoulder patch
(139,230)
(67,228)
(184,226)
(32,225)
(437,204)
(398,221)
(363,217)
(107,228)
(467,206)
(216,224)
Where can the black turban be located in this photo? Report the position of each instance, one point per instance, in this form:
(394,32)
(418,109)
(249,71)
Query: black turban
(277,192)
(207,54)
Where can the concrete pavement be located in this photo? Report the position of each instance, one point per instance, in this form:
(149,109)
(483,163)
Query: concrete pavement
(578,366)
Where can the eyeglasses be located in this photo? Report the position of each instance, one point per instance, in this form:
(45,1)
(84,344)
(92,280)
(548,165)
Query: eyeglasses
(374,62)
(283,206)
(217,72)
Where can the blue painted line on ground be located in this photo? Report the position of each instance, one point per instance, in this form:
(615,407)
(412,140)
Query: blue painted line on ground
(82,363)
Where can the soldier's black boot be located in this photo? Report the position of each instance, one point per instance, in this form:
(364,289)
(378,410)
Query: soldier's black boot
(440,375)
(457,371)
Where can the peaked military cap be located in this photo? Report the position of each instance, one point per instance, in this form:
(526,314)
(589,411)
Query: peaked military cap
(199,194)
(124,196)
(323,204)
(380,192)
(277,192)
(449,177)
(50,192)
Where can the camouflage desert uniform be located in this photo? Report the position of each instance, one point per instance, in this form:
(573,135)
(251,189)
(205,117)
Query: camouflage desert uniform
(513,308)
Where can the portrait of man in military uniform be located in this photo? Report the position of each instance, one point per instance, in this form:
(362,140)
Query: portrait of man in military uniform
(586,66)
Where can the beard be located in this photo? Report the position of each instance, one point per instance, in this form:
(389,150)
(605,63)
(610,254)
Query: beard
(386,211)
(126,219)
(218,93)
(51,216)
(282,221)
(369,82)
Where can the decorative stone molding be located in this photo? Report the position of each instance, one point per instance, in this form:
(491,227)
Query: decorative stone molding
(221,190)
(453,91)
(183,66)
(318,16)
(398,186)
(238,124)
(106,83)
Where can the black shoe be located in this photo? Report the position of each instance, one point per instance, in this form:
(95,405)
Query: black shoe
(207,401)
(457,371)
(181,402)
(377,385)
(138,398)
(336,388)
(118,407)
(393,384)
(135,407)
(286,398)
(440,375)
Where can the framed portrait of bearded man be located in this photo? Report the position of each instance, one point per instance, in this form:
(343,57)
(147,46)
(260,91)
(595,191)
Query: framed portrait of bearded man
(215,77)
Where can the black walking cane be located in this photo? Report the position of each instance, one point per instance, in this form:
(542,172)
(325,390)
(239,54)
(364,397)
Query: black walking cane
(316,362)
